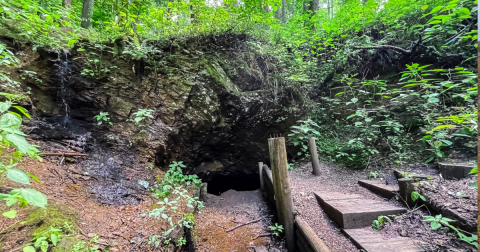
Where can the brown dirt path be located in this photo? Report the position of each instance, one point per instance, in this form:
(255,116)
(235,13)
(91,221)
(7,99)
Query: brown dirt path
(121,227)
(230,209)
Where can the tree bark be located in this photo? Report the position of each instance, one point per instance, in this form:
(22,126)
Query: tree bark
(67,3)
(314,6)
(87,12)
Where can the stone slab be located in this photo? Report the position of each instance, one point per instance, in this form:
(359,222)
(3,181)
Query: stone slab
(354,212)
(379,188)
(374,242)
(454,171)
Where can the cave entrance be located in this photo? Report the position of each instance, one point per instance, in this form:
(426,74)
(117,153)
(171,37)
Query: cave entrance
(221,184)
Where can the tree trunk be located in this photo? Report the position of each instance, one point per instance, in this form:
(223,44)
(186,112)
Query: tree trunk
(284,15)
(314,6)
(87,12)
(67,3)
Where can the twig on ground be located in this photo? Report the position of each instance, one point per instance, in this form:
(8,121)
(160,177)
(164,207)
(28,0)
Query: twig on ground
(262,235)
(403,200)
(63,154)
(250,222)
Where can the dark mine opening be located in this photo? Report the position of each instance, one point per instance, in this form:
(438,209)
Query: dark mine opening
(222,184)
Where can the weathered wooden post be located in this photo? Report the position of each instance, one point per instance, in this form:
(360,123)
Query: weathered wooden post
(405,186)
(260,171)
(283,193)
(313,153)
(272,165)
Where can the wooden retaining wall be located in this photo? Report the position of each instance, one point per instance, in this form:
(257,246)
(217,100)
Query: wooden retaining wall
(306,239)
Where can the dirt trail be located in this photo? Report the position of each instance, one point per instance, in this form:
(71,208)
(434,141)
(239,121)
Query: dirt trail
(332,179)
(230,209)
(336,179)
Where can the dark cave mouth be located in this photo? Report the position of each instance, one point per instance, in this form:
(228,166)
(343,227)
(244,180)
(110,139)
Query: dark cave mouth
(221,184)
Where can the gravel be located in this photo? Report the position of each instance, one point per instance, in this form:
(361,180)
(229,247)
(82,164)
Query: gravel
(332,179)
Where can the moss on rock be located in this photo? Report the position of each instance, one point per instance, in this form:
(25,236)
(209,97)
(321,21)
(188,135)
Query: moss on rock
(66,244)
(51,216)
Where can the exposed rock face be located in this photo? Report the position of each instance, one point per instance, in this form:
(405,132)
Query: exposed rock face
(213,109)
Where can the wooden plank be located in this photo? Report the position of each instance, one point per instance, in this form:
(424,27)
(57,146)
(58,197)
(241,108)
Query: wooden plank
(454,171)
(260,172)
(351,212)
(372,241)
(302,243)
(314,157)
(400,174)
(311,238)
(283,193)
(301,247)
(386,191)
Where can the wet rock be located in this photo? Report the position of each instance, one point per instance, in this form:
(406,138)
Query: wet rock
(208,112)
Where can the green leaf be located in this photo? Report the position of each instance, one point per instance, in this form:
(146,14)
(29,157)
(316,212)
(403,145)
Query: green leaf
(474,170)
(436,9)
(425,6)
(54,239)
(10,214)
(9,119)
(18,176)
(429,160)
(435,225)
(29,249)
(34,197)
(23,110)
(33,176)
(4,106)
(20,143)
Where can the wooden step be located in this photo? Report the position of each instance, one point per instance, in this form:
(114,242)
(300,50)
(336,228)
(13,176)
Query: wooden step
(454,171)
(400,174)
(379,187)
(372,241)
(353,211)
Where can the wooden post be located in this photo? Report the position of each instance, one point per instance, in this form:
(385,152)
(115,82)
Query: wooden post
(405,186)
(313,153)
(260,172)
(313,241)
(272,165)
(283,193)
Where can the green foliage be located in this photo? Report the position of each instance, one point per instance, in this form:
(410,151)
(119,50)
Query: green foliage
(181,241)
(173,183)
(141,115)
(276,229)
(10,214)
(7,59)
(416,195)
(474,171)
(373,175)
(379,223)
(437,222)
(103,117)
(82,246)
(45,240)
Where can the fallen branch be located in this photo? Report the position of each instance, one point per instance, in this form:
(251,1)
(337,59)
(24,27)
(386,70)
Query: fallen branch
(63,154)
(262,235)
(388,47)
(241,225)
